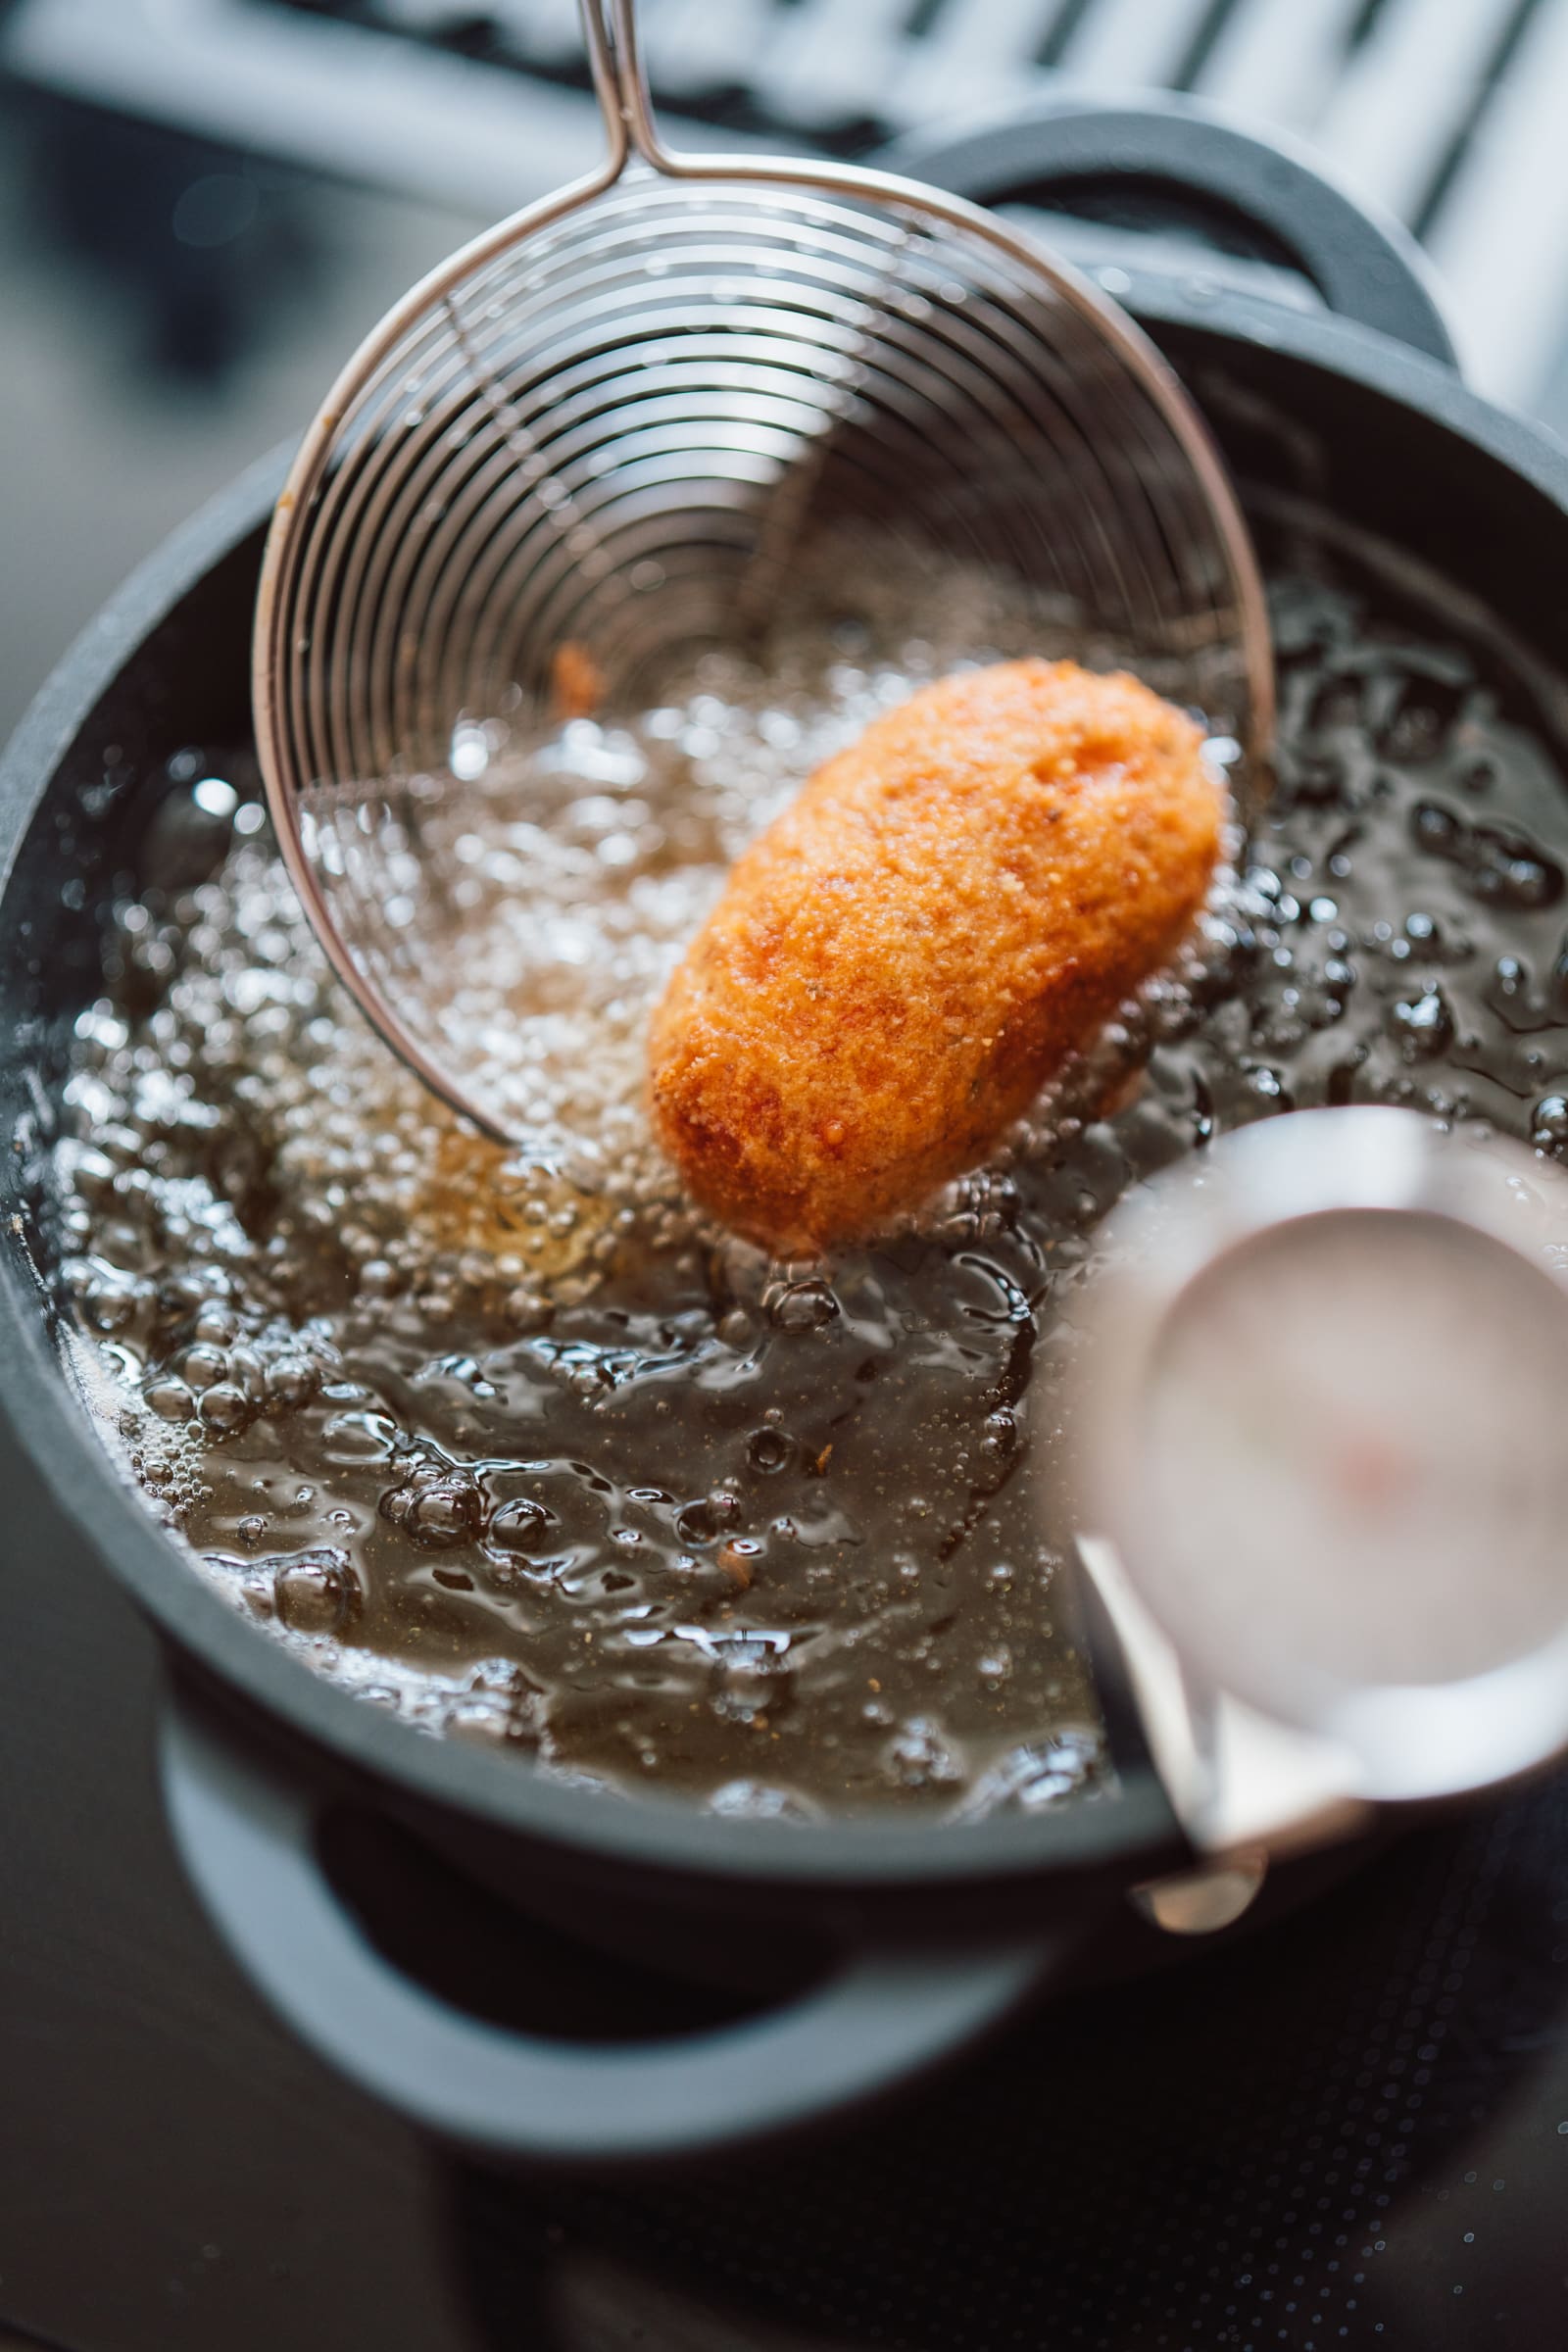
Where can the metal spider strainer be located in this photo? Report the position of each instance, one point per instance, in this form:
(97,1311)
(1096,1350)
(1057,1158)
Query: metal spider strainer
(616,421)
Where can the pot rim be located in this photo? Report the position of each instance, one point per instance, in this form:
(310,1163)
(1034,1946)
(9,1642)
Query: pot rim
(1129,1830)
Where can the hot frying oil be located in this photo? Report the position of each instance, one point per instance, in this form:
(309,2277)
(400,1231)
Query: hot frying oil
(516,1446)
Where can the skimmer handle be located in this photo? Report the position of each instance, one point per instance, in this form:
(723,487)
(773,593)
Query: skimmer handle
(620,85)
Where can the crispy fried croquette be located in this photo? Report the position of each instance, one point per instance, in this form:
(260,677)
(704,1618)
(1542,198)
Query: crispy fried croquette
(899,962)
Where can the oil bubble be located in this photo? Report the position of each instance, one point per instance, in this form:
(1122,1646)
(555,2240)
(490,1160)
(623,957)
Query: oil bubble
(170,1399)
(751,1678)
(438,1513)
(315,1592)
(521,1525)
(225,1408)
(1549,1124)
(768,1451)
(1038,1775)
(291,1380)
(920,1757)
(999,1438)
(739,1558)
(1423,1026)
(756,1800)
(801,1306)
(109,1304)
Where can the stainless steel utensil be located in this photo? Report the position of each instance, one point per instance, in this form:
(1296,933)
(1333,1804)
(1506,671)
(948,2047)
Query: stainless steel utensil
(616,421)
(1322,1460)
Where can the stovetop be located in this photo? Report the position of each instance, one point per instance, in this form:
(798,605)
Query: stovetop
(1350,2130)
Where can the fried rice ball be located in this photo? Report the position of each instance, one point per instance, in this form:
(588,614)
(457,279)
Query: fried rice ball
(899,962)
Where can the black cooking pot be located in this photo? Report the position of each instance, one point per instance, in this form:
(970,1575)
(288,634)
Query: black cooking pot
(446,1925)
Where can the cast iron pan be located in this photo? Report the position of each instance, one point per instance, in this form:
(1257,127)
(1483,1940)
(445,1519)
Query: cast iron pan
(840,1961)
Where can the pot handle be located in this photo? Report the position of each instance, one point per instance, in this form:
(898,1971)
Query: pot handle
(247,1838)
(1365,264)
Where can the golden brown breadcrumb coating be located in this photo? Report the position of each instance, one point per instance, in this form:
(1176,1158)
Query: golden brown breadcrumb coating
(900,962)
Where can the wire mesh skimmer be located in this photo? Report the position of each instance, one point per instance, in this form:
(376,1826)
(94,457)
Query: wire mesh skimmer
(616,421)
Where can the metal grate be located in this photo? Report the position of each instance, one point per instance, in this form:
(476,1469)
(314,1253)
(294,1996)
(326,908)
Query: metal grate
(1446,111)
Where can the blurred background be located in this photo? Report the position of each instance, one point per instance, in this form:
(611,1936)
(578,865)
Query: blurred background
(203,203)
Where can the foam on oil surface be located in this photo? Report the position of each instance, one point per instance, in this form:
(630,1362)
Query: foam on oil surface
(566,1470)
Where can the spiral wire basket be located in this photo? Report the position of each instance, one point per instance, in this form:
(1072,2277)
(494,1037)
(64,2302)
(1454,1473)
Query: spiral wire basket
(619,422)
